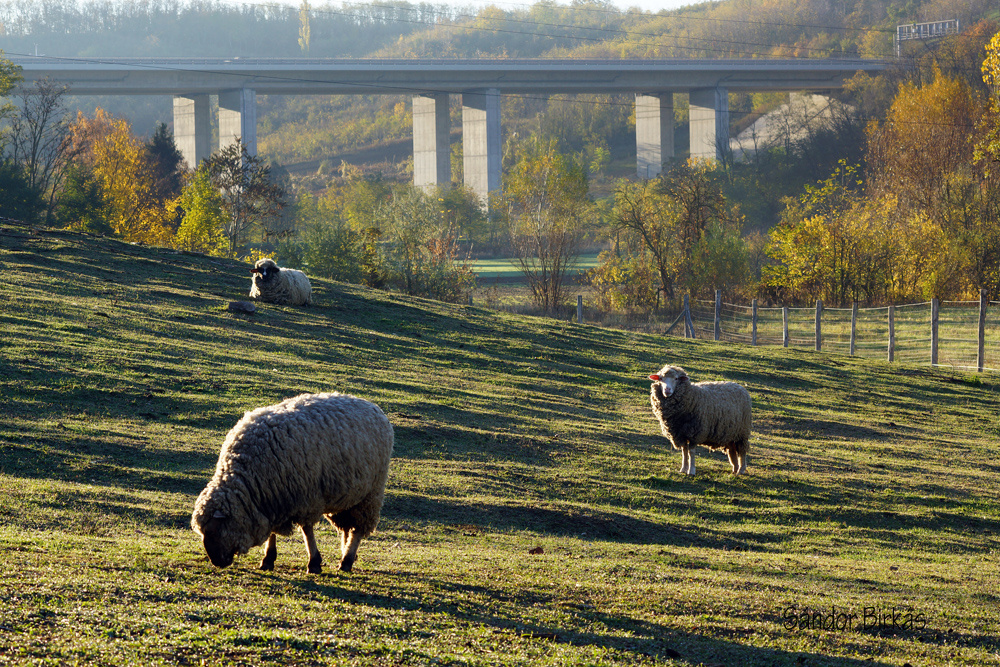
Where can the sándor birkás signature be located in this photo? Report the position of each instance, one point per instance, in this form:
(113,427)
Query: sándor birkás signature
(837,619)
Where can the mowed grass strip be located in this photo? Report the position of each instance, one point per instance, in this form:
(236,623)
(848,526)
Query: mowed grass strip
(534,514)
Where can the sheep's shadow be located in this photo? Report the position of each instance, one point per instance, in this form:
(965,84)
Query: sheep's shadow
(498,609)
(560,520)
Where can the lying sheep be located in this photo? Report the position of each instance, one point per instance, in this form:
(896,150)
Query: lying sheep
(273,284)
(290,464)
(714,414)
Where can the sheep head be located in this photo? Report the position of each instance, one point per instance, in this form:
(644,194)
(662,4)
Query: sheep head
(264,270)
(670,378)
(213,537)
(222,535)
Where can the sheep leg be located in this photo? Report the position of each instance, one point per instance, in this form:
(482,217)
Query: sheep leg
(734,459)
(687,460)
(315,565)
(270,553)
(351,538)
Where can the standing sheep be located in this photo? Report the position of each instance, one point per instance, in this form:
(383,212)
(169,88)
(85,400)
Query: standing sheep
(272,284)
(290,464)
(714,414)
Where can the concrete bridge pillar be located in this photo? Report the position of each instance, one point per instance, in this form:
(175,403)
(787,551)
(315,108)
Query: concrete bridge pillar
(238,118)
(481,160)
(654,133)
(431,141)
(709,123)
(191,128)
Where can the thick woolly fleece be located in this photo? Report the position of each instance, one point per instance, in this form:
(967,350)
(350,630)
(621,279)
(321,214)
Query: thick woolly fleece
(714,414)
(272,284)
(292,463)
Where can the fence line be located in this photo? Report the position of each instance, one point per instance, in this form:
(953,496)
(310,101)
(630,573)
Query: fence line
(957,334)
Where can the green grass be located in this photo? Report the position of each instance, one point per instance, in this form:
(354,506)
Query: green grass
(121,371)
(507,268)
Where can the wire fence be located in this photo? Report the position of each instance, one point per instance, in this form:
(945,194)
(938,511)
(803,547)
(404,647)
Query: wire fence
(958,334)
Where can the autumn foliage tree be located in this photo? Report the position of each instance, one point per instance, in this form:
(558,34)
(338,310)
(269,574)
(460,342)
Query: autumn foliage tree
(921,224)
(119,163)
(929,133)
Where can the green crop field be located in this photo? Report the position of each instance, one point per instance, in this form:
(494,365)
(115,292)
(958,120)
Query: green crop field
(534,514)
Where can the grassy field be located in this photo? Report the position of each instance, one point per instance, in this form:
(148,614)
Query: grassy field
(506,268)
(533,514)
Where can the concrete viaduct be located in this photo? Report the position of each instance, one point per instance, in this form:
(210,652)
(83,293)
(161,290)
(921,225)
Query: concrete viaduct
(480,83)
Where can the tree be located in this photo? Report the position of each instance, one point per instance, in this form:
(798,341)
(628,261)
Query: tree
(18,199)
(695,188)
(304,32)
(464,212)
(10,76)
(119,163)
(419,242)
(81,204)
(330,246)
(839,244)
(549,211)
(168,167)
(641,209)
(249,197)
(38,140)
(987,151)
(928,133)
(203,222)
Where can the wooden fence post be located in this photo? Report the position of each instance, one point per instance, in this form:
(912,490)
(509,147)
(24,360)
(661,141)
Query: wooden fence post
(784,326)
(819,325)
(753,334)
(718,314)
(579,309)
(935,307)
(688,322)
(854,326)
(892,331)
(983,303)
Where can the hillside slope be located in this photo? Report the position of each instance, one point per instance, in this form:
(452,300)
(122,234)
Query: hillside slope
(120,371)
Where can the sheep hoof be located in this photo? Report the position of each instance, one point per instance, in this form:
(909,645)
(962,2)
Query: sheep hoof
(346,565)
(315,565)
(267,564)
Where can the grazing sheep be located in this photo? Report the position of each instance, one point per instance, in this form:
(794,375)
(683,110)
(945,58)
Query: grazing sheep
(714,414)
(276,285)
(290,464)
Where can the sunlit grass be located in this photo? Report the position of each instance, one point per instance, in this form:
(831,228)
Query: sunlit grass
(534,514)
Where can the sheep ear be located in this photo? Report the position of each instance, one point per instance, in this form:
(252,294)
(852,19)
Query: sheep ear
(654,378)
(218,515)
